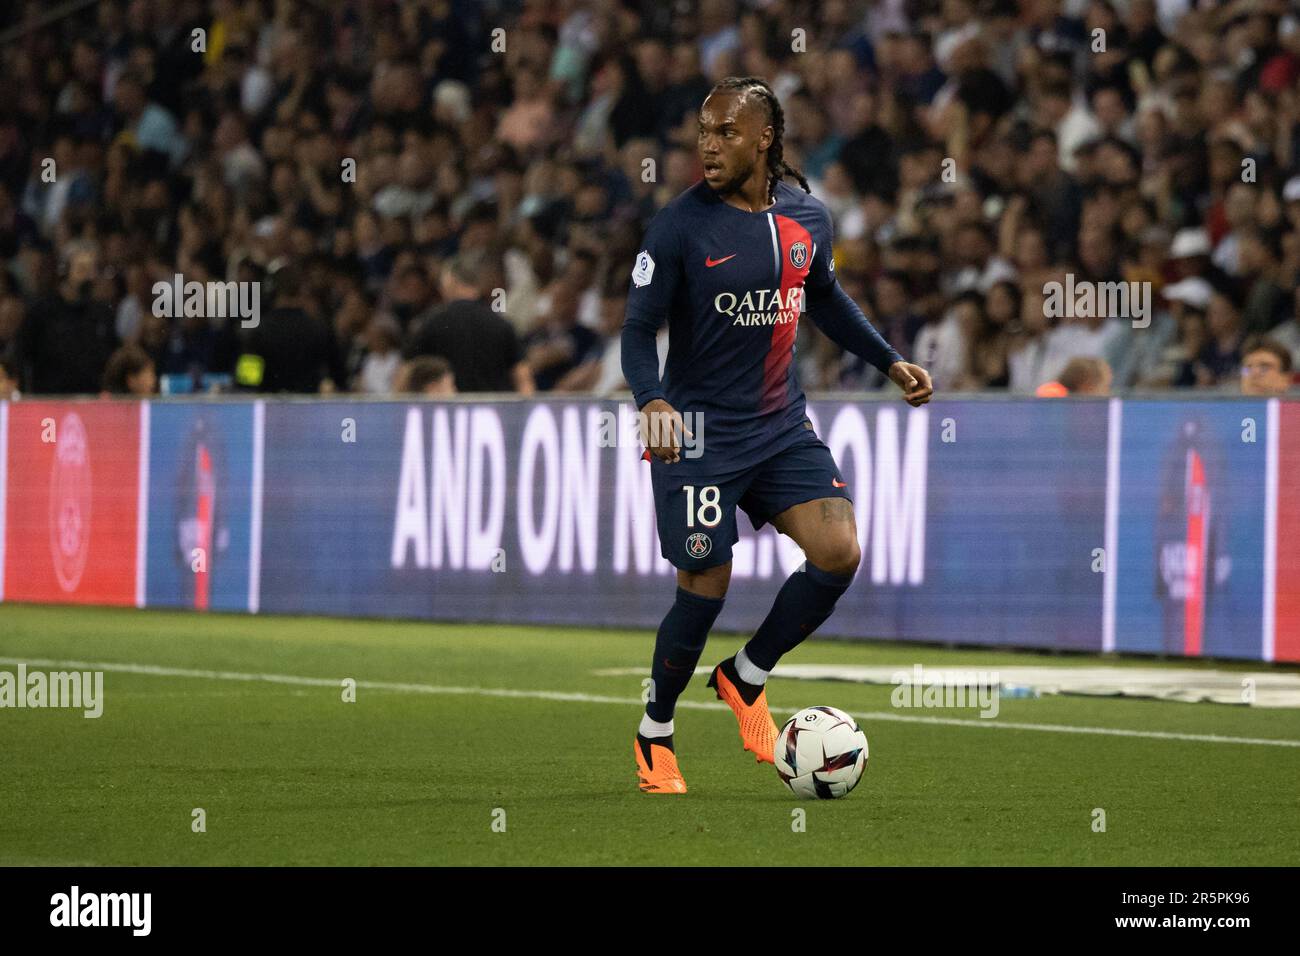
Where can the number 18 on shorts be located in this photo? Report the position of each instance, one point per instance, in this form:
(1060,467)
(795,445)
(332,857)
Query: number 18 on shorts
(696,515)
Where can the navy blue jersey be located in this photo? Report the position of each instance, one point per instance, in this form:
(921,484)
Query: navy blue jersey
(732,285)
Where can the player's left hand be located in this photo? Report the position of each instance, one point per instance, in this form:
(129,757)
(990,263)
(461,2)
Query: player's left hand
(914,381)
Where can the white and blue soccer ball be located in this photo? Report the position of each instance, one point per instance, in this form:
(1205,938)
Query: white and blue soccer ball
(820,753)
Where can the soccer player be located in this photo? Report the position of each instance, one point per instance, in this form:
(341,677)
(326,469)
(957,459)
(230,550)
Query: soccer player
(730,264)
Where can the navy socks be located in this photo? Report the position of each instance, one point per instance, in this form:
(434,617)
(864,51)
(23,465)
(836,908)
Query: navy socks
(678,647)
(804,602)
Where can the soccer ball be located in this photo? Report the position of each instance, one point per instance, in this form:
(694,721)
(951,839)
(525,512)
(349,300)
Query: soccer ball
(821,753)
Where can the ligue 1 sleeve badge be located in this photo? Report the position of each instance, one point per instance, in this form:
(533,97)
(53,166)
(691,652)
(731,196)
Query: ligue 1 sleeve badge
(698,545)
(644,270)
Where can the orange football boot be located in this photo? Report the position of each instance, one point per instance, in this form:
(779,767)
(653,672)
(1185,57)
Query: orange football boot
(757,730)
(656,765)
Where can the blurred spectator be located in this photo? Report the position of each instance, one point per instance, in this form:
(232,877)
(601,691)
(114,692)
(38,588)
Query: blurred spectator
(991,339)
(425,375)
(1220,355)
(9,380)
(12,316)
(602,373)
(943,344)
(131,372)
(1096,336)
(1288,333)
(1177,367)
(68,337)
(894,316)
(1028,345)
(479,343)
(1265,368)
(242,166)
(1189,253)
(296,349)
(73,187)
(383,357)
(1140,363)
(558,343)
(1086,376)
(411,294)
(146,124)
(1260,264)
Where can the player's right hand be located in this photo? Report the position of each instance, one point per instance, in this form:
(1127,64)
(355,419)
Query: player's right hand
(914,381)
(662,430)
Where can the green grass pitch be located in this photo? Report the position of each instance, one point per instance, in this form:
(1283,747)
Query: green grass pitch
(288,773)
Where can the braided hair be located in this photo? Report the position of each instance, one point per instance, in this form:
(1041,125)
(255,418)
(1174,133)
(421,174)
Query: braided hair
(777,167)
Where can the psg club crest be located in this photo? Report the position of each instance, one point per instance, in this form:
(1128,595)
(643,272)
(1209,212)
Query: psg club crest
(798,254)
(698,545)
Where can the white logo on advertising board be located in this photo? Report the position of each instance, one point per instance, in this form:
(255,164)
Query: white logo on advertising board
(70,502)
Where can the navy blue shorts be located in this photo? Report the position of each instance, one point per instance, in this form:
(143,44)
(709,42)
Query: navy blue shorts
(697,515)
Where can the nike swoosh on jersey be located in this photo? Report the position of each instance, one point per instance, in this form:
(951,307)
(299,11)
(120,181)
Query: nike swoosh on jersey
(710,262)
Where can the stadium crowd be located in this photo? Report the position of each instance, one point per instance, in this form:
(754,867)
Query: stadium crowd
(441,195)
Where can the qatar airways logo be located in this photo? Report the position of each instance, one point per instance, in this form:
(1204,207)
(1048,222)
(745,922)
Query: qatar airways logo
(762,306)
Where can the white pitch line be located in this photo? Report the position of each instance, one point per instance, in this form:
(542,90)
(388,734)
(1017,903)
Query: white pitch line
(154,670)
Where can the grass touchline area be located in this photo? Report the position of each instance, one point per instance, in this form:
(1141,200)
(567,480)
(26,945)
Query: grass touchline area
(232,714)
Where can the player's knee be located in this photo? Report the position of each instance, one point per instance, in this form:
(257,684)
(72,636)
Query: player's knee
(841,557)
(711,582)
(715,584)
